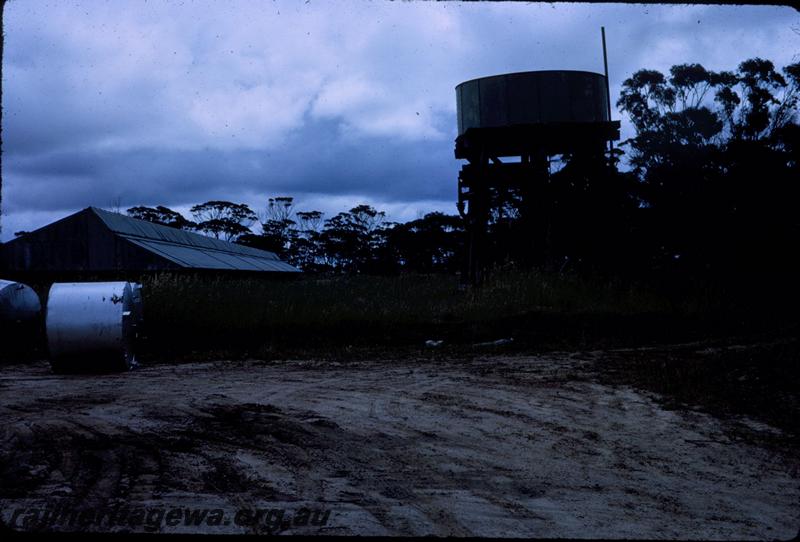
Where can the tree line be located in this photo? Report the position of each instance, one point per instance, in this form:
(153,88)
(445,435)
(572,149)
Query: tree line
(706,187)
(360,240)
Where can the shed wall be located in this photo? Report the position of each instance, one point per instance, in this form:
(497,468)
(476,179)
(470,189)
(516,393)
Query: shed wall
(78,243)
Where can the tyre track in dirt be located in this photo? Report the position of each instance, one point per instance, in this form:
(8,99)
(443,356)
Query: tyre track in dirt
(499,446)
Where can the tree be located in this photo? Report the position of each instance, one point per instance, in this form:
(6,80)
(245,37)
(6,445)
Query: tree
(678,112)
(277,227)
(761,108)
(310,220)
(352,240)
(668,113)
(223,219)
(429,244)
(590,211)
(294,236)
(307,245)
(161,215)
(713,155)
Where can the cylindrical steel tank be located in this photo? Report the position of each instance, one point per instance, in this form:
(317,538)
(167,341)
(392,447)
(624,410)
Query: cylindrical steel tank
(530,98)
(18,302)
(138,303)
(92,325)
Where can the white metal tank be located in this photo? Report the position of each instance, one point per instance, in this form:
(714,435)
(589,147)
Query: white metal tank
(138,303)
(18,302)
(92,325)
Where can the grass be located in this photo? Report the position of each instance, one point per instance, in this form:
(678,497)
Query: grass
(756,375)
(399,299)
(255,317)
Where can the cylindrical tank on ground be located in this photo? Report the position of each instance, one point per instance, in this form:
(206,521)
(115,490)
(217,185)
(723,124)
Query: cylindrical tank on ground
(92,325)
(18,302)
(531,98)
(138,303)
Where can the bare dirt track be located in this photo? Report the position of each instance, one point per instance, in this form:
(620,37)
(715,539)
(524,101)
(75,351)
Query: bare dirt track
(493,446)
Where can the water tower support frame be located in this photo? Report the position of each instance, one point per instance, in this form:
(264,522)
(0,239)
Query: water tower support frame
(532,146)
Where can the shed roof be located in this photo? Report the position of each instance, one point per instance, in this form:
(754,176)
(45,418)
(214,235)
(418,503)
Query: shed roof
(191,250)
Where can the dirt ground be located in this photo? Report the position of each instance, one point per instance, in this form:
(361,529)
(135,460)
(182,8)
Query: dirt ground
(492,446)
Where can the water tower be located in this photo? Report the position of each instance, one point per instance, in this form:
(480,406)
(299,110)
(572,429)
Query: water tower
(510,126)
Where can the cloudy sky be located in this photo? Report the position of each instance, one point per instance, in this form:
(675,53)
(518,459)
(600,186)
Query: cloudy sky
(336,103)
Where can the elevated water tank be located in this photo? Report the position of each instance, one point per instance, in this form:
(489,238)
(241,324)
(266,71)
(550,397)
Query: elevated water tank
(92,325)
(18,302)
(531,98)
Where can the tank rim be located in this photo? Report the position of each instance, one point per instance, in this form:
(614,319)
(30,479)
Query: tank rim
(530,72)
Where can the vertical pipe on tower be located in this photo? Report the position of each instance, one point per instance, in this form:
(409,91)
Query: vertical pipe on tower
(608,91)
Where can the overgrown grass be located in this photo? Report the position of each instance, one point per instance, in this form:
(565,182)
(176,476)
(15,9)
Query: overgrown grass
(254,303)
(252,316)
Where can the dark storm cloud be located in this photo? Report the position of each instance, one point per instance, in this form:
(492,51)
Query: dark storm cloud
(158,103)
(313,160)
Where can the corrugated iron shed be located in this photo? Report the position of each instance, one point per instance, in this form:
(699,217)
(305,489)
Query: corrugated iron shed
(189,249)
(95,240)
